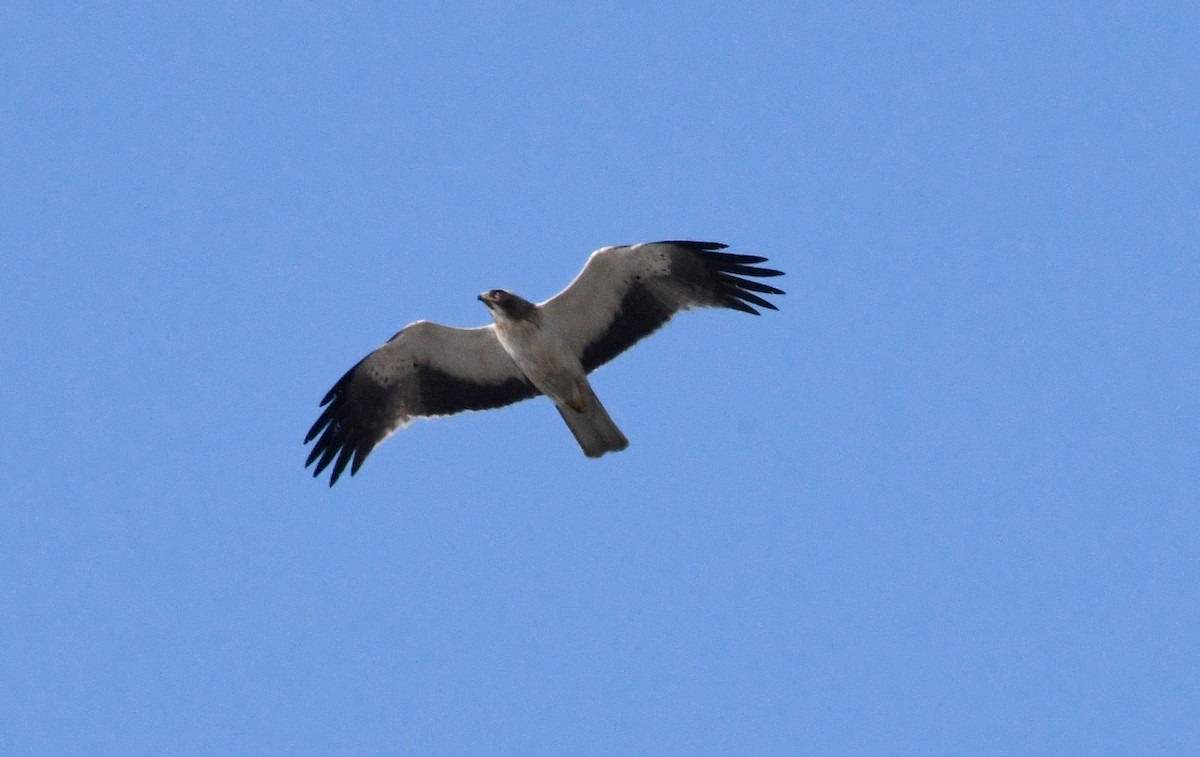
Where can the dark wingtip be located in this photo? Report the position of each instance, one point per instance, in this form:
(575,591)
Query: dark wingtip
(758,286)
(335,440)
(735,304)
(732,267)
(738,292)
(312,455)
(755,299)
(342,460)
(700,247)
(733,257)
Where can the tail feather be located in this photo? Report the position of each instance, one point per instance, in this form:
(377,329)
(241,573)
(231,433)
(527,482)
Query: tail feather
(591,424)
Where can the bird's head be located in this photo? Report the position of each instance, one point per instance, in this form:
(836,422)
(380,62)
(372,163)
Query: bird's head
(501,301)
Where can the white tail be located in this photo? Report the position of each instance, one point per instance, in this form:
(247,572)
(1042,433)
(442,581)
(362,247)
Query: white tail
(591,425)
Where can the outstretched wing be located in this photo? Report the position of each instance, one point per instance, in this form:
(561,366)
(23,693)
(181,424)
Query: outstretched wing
(426,369)
(626,293)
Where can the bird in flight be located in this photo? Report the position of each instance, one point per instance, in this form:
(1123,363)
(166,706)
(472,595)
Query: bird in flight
(622,295)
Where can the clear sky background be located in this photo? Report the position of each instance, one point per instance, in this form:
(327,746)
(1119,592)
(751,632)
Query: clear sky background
(946,501)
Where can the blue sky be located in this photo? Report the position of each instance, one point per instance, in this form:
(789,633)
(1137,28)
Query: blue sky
(946,501)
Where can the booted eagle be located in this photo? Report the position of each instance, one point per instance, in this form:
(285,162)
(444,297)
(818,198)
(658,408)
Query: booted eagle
(620,296)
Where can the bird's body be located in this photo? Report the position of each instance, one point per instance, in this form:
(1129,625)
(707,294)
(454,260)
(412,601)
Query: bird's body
(622,295)
(539,349)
